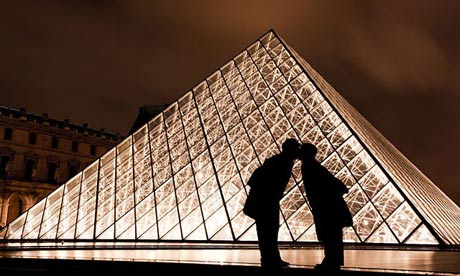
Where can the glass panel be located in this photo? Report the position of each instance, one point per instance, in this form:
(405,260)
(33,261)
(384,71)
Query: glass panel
(373,181)
(191,221)
(292,202)
(387,200)
(382,235)
(231,187)
(355,199)
(361,164)
(422,236)
(309,235)
(15,228)
(185,189)
(316,102)
(403,221)
(34,218)
(224,234)
(167,223)
(284,233)
(349,149)
(215,222)
(165,199)
(69,212)
(346,177)
(146,215)
(300,220)
(329,123)
(366,221)
(339,135)
(51,214)
(210,198)
(333,163)
(106,194)
(198,234)
(122,226)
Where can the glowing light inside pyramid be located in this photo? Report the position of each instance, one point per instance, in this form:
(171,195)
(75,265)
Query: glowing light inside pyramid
(182,175)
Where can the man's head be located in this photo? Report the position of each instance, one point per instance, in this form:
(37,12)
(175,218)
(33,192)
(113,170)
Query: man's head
(308,151)
(291,147)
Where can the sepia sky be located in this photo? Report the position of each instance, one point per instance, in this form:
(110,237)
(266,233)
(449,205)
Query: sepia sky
(99,61)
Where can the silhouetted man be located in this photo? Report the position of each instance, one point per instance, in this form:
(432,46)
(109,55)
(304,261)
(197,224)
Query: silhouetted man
(330,212)
(267,187)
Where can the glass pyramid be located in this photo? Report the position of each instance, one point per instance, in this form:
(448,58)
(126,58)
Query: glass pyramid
(181,177)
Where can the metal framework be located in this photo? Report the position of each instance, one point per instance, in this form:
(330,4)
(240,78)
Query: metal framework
(181,177)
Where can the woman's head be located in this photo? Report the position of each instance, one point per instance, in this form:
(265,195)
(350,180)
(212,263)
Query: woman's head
(308,151)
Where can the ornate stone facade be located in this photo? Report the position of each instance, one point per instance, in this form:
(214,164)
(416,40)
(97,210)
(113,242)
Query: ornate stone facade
(37,154)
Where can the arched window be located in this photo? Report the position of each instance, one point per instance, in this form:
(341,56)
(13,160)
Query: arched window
(15,208)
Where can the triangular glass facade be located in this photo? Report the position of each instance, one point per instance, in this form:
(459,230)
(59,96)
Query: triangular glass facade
(181,177)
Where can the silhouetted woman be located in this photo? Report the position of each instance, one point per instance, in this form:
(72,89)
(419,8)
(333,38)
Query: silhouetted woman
(330,212)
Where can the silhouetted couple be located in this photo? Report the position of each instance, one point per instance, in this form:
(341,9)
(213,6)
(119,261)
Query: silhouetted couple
(324,192)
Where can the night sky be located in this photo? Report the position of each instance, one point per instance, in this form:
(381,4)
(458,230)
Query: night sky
(98,62)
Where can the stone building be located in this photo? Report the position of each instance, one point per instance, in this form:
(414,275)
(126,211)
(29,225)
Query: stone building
(38,153)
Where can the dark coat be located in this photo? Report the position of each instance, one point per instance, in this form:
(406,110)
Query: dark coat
(267,186)
(325,195)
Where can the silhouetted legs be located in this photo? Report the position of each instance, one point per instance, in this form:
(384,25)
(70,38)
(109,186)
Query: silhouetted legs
(267,232)
(333,249)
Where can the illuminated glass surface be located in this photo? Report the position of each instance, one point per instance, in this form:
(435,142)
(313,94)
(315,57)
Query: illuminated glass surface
(182,176)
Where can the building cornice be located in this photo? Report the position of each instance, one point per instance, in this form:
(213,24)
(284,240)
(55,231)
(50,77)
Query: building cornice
(62,129)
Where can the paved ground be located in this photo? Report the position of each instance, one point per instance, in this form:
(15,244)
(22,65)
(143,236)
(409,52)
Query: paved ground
(196,260)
